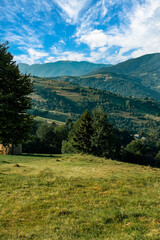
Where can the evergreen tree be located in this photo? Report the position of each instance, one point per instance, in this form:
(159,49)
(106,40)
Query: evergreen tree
(83,132)
(103,139)
(15,123)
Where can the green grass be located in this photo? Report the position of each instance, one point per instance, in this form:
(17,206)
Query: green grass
(77,197)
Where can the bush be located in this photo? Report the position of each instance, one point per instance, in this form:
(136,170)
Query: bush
(67,147)
(157,159)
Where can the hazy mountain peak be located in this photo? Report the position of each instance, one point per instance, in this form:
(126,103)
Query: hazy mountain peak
(60,68)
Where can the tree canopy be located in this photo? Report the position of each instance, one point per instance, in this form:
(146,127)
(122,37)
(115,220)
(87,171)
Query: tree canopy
(83,132)
(15,89)
(103,138)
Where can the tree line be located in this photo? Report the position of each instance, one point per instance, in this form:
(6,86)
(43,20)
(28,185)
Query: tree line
(93,134)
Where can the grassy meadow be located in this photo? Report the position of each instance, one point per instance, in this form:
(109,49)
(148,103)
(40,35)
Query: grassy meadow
(77,197)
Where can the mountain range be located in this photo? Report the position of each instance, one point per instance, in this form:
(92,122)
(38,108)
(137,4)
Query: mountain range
(60,68)
(138,77)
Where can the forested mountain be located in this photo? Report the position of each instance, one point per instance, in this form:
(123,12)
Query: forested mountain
(60,68)
(145,64)
(124,85)
(146,68)
(59,100)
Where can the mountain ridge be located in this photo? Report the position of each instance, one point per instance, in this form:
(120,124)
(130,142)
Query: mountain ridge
(60,68)
(138,77)
(137,65)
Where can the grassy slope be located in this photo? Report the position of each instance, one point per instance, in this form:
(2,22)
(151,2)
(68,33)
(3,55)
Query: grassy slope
(77,197)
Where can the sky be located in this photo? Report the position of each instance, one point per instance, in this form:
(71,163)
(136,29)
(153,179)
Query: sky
(99,31)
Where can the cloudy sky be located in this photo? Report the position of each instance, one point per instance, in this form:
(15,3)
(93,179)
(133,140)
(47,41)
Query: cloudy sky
(102,31)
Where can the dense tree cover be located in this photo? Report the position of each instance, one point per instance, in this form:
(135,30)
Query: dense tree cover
(103,137)
(83,133)
(93,134)
(143,151)
(57,100)
(47,137)
(15,89)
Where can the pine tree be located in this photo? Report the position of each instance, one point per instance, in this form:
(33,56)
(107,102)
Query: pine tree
(83,132)
(15,123)
(103,139)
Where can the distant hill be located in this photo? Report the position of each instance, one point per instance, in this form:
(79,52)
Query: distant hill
(136,66)
(60,68)
(146,68)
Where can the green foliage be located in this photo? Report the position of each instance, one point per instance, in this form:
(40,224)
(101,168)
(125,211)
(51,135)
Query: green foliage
(157,158)
(68,147)
(45,133)
(92,134)
(135,147)
(103,138)
(14,100)
(83,132)
(61,134)
(47,137)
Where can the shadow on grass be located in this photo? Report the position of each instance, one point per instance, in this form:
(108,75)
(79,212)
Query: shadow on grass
(25,157)
(40,155)
(4,162)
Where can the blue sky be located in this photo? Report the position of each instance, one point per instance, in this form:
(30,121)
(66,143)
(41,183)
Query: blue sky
(102,31)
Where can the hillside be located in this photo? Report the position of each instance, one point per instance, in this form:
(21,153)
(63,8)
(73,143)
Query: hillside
(146,63)
(146,68)
(124,85)
(77,197)
(59,100)
(60,68)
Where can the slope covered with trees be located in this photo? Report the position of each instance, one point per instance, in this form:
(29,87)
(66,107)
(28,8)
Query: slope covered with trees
(59,100)
(146,68)
(124,85)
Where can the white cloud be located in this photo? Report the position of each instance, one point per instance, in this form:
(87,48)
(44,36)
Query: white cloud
(143,32)
(133,29)
(72,8)
(59,55)
(33,56)
(94,39)
(23,59)
(139,35)
(72,56)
